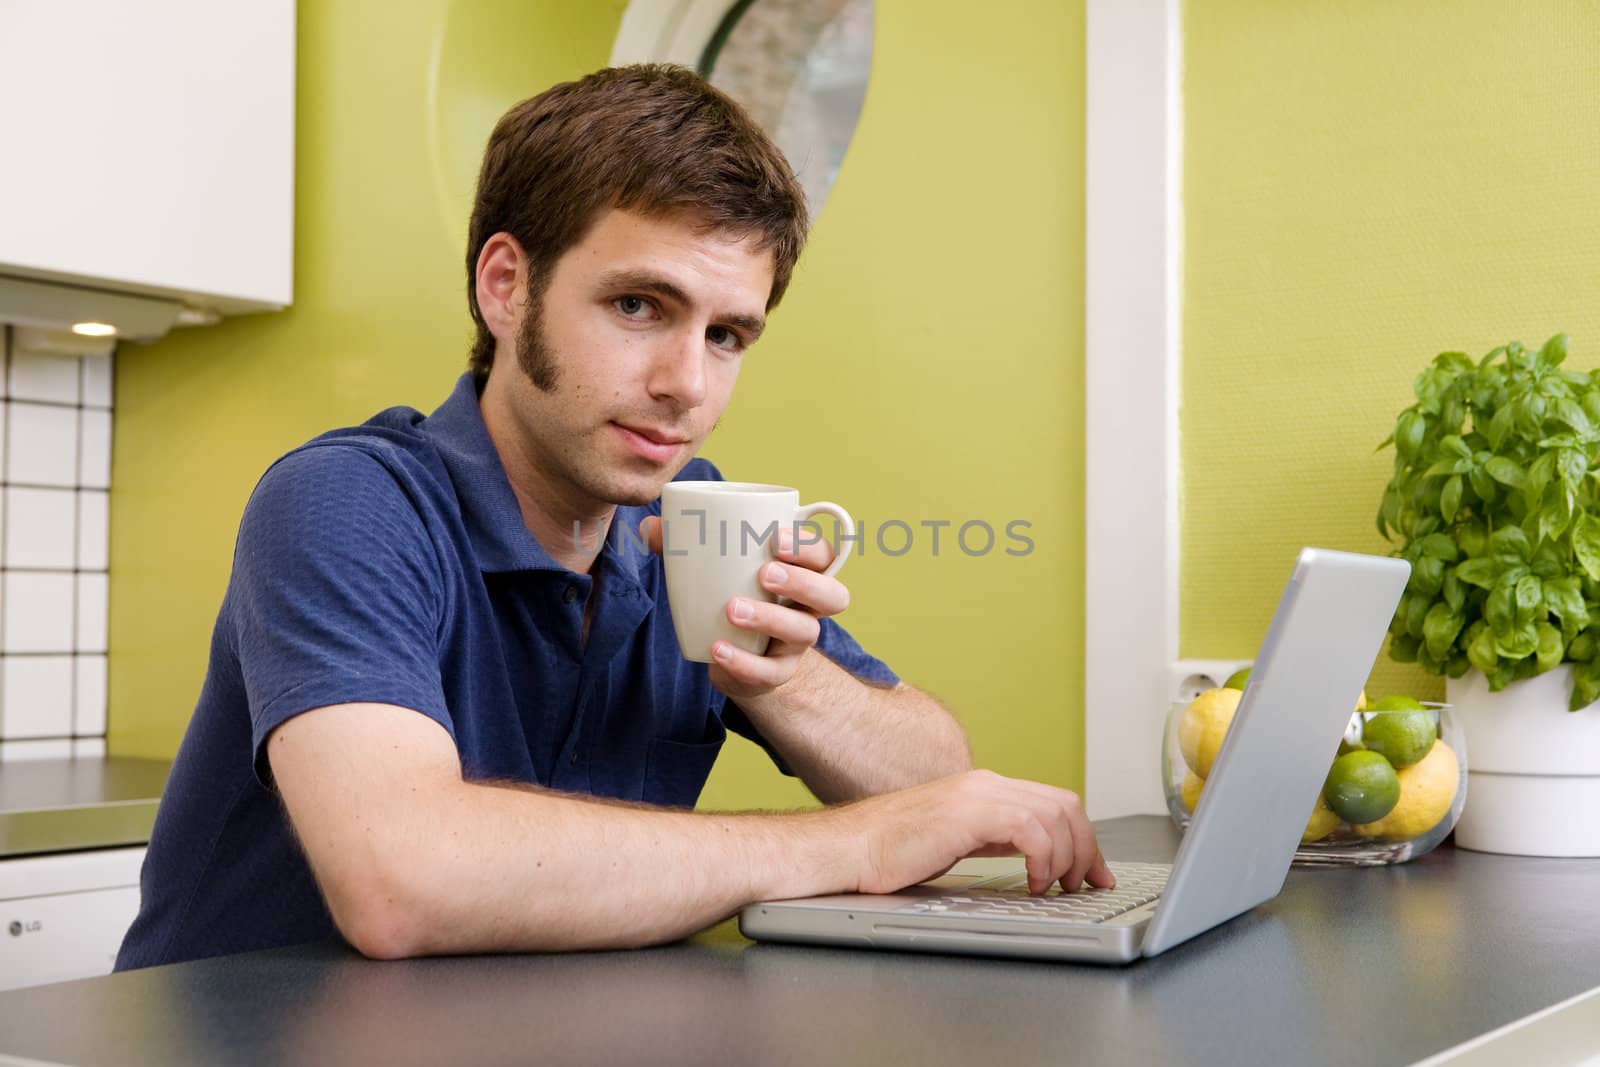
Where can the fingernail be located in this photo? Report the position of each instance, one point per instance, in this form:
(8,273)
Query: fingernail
(741,609)
(776,575)
(721,652)
(785,541)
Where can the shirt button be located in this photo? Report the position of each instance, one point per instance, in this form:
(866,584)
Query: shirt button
(571,594)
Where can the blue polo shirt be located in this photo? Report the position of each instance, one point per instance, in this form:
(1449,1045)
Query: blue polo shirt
(389,563)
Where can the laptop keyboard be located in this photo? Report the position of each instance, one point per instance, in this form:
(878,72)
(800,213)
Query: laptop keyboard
(1007,896)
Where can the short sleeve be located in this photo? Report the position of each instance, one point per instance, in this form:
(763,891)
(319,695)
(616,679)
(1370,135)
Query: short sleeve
(336,595)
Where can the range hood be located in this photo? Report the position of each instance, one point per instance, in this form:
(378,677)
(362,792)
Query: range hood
(71,319)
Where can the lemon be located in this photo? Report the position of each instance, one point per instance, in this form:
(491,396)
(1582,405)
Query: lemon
(1427,789)
(1205,723)
(1238,679)
(1192,784)
(1361,787)
(1324,820)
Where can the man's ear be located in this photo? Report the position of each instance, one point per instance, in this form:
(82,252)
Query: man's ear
(502,285)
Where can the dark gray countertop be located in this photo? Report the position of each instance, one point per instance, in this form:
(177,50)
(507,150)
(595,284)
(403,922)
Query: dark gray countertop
(63,804)
(1371,966)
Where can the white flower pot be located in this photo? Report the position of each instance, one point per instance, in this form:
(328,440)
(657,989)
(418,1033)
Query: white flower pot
(1533,767)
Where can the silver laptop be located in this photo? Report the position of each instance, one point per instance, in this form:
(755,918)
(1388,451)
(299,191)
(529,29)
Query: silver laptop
(1324,637)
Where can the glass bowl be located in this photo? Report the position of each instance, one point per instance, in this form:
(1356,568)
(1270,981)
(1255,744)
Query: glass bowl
(1361,817)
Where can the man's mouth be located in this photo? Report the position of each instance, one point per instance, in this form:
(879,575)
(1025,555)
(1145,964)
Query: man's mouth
(658,446)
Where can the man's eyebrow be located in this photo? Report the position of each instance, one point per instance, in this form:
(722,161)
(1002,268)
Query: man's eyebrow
(645,282)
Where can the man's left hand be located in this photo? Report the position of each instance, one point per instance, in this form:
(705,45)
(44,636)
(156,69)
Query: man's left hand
(793,626)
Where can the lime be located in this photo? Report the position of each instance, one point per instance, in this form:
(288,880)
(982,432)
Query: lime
(1192,784)
(1238,679)
(1427,790)
(1401,737)
(1322,823)
(1361,787)
(1395,702)
(1204,724)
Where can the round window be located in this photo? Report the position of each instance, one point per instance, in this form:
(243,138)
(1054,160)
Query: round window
(800,67)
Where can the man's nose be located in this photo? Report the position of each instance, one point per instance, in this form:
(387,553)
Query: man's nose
(679,370)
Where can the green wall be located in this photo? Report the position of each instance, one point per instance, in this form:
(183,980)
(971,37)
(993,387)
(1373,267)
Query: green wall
(382,195)
(926,365)
(1366,185)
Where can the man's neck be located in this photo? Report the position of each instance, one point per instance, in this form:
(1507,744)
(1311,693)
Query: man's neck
(570,529)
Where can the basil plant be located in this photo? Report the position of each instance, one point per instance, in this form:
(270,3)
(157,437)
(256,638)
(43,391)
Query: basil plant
(1494,496)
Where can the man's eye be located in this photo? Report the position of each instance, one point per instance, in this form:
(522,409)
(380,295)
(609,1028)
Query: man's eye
(723,337)
(631,306)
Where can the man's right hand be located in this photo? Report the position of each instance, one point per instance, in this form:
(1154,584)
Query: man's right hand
(915,834)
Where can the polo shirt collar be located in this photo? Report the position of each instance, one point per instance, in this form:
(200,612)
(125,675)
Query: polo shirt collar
(489,509)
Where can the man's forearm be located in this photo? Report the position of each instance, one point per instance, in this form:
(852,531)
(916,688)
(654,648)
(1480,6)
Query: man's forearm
(505,868)
(846,739)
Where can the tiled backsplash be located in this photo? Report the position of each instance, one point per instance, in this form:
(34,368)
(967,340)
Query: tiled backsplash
(55,481)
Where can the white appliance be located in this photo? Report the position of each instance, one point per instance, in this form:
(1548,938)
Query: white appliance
(63,915)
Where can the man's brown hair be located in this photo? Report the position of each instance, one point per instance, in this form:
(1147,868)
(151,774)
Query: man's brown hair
(650,138)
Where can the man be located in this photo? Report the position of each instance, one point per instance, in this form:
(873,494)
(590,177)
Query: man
(436,721)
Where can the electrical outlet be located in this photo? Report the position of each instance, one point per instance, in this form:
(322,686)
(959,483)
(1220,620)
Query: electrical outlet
(1188,678)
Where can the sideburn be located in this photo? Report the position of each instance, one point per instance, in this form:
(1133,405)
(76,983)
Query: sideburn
(533,355)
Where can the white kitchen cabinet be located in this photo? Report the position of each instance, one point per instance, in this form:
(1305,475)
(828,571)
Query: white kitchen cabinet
(63,916)
(148,147)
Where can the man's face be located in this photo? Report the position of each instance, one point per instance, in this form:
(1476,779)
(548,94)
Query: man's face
(630,353)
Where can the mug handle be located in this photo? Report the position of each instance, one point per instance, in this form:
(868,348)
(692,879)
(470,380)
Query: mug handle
(847,530)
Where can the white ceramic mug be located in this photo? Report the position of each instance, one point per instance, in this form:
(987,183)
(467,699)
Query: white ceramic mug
(715,538)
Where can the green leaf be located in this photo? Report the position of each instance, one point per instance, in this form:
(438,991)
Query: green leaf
(1523,641)
(1528,598)
(1409,433)
(1518,357)
(1483,485)
(1570,413)
(1450,499)
(1481,652)
(1573,465)
(1539,475)
(1553,352)
(1506,472)
(1585,686)
(1550,647)
(1439,630)
(1504,674)
(1427,576)
(1499,427)
(1510,544)
(1453,445)
(1459,362)
(1447,466)
(1455,594)
(1403,649)
(1500,608)
(1581,649)
(1473,538)
(1416,613)
(1480,572)
(1586,544)
(1440,546)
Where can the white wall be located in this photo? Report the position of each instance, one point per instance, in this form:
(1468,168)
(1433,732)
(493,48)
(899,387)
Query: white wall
(55,481)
